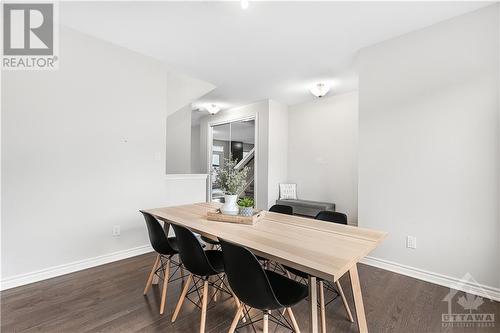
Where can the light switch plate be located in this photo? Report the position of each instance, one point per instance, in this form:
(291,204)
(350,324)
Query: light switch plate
(116,231)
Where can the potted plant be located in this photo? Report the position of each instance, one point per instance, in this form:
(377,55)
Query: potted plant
(246,206)
(232,182)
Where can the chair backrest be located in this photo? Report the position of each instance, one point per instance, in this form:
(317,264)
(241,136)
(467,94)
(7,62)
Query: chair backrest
(247,278)
(191,252)
(157,236)
(335,217)
(283,209)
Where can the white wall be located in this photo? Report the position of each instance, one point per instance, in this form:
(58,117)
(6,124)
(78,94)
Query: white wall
(83,149)
(185,189)
(278,150)
(178,148)
(429,146)
(322,151)
(196,167)
(181,91)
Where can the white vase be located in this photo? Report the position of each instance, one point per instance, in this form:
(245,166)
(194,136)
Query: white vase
(230,206)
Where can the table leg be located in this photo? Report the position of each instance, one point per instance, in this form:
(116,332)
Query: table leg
(313,304)
(358,299)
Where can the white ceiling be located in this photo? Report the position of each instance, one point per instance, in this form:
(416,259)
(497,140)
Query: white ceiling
(271,50)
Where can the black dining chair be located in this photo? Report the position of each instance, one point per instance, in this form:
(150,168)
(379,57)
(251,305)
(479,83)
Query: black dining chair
(214,245)
(260,289)
(206,268)
(339,218)
(166,248)
(334,217)
(283,209)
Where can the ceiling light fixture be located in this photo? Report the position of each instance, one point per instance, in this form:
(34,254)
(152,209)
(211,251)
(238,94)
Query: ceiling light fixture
(244,4)
(319,90)
(212,108)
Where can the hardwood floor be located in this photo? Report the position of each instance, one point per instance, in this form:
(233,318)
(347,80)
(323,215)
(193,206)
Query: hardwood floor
(109,298)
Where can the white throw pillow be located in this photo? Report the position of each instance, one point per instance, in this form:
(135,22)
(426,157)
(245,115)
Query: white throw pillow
(288,191)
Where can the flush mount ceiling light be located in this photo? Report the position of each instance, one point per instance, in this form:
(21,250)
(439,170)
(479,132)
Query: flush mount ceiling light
(212,108)
(319,90)
(244,4)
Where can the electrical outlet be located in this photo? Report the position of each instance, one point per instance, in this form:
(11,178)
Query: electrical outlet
(411,242)
(116,231)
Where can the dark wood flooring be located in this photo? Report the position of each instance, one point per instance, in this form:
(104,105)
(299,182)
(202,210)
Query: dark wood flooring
(109,298)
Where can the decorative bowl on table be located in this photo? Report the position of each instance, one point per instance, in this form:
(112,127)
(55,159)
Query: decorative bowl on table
(246,211)
(246,206)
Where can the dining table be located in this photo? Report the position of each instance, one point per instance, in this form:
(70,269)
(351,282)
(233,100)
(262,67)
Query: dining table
(323,250)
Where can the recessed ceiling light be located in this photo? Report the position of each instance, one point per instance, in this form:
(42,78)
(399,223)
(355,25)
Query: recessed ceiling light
(244,4)
(212,108)
(319,90)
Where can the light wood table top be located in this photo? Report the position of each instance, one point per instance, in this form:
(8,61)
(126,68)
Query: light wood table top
(323,249)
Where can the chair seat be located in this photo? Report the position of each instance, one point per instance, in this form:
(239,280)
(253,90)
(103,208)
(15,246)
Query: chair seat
(168,249)
(301,274)
(173,243)
(297,272)
(216,260)
(287,291)
(209,240)
(261,258)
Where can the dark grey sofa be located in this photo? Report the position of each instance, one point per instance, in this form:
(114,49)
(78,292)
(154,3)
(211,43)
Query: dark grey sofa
(307,207)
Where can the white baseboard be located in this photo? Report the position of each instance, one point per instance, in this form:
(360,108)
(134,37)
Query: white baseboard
(443,280)
(27,278)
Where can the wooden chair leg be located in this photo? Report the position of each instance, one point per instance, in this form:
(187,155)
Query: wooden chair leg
(292,318)
(156,278)
(238,304)
(344,300)
(266,322)
(151,275)
(182,297)
(236,319)
(166,274)
(322,306)
(204,303)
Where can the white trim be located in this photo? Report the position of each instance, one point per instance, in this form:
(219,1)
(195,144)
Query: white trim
(257,152)
(230,120)
(209,147)
(443,280)
(179,176)
(47,273)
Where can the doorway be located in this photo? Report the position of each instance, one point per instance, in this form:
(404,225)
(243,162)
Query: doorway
(235,139)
